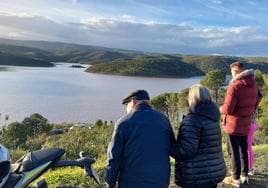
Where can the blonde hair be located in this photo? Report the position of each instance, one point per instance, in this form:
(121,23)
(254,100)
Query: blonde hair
(198,94)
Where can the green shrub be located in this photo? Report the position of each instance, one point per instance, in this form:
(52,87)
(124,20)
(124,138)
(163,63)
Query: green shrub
(92,141)
(67,176)
(16,154)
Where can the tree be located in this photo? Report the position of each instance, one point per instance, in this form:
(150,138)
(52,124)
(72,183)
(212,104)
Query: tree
(173,109)
(259,78)
(14,135)
(159,103)
(214,80)
(99,122)
(183,99)
(37,124)
(172,104)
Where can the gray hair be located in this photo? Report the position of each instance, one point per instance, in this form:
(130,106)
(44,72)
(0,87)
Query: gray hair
(198,94)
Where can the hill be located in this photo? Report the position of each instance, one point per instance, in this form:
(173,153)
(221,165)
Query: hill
(99,56)
(124,62)
(18,60)
(57,47)
(48,45)
(151,66)
(171,65)
(65,52)
(33,53)
(208,63)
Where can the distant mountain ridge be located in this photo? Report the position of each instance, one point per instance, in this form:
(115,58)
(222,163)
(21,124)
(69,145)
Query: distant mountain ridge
(66,52)
(52,46)
(118,61)
(18,60)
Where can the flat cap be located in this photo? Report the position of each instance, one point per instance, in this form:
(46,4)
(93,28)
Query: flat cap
(136,95)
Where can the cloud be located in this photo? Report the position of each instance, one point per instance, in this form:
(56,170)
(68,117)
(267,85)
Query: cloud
(38,28)
(217,1)
(18,14)
(126,32)
(187,35)
(218,7)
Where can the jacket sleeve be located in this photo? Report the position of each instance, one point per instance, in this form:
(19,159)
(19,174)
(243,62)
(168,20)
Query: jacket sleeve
(230,101)
(259,98)
(172,139)
(115,151)
(187,142)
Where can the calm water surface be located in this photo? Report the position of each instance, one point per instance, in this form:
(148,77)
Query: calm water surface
(64,94)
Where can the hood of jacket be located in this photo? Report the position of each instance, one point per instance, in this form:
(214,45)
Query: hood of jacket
(247,77)
(209,110)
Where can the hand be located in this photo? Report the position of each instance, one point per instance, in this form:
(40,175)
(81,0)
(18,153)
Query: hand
(220,109)
(117,185)
(108,186)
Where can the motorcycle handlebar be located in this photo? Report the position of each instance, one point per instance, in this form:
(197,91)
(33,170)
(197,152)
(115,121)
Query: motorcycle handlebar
(84,162)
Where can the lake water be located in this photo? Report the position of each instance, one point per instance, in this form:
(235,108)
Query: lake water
(64,94)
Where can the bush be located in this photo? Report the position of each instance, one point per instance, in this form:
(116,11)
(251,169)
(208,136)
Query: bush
(16,154)
(67,176)
(92,141)
(37,124)
(35,143)
(16,134)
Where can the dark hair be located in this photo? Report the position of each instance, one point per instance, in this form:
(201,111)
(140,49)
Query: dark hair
(237,64)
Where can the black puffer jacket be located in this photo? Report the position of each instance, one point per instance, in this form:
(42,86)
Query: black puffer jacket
(198,152)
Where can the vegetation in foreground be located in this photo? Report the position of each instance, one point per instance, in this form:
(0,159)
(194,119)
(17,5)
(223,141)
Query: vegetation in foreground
(35,132)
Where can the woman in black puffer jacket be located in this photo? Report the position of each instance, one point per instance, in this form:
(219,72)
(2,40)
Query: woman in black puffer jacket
(198,152)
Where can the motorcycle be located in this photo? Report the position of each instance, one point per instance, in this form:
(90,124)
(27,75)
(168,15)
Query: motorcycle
(31,166)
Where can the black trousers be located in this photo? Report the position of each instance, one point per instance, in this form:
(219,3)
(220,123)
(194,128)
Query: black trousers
(238,148)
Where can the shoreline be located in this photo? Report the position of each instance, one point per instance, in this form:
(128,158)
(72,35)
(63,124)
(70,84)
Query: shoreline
(144,76)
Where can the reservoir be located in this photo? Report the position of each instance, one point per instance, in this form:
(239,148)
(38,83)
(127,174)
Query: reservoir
(64,94)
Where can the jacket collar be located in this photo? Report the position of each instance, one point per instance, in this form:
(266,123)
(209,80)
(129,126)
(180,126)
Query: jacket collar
(242,75)
(142,106)
(209,110)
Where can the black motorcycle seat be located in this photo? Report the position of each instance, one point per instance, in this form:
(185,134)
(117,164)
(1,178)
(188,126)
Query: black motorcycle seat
(39,157)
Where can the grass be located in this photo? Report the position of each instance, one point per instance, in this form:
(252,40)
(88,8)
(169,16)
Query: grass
(260,179)
(75,176)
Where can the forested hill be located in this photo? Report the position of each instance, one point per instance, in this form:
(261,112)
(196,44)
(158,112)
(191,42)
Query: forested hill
(172,65)
(117,61)
(153,66)
(208,63)
(65,52)
(19,60)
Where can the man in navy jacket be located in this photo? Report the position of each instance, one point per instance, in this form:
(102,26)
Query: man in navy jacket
(138,155)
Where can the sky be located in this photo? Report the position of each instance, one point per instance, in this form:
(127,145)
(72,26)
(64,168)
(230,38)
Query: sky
(220,27)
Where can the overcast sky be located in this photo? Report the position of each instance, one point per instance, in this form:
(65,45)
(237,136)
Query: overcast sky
(232,27)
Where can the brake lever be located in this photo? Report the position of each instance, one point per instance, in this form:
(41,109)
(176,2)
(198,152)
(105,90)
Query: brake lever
(88,170)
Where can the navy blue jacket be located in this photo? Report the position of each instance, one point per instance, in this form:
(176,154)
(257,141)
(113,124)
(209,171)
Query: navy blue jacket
(199,157)
(138,155)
